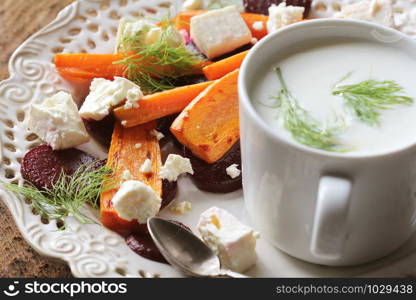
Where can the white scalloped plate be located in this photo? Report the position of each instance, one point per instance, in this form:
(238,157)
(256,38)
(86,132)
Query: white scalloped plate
(92,250)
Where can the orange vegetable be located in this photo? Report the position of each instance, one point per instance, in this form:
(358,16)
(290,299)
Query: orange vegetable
(222,67)
(183,21)
(159,105)
(83,66)
(123,155)
(209,125)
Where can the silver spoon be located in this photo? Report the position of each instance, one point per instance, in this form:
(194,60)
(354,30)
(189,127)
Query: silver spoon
(185,251)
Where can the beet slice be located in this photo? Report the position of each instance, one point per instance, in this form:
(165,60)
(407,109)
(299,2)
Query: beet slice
(102,130)
(42,166)
(262,6)
(142,243)
(213,177)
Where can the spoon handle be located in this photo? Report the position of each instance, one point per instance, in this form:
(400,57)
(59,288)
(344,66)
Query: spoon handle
(231,274)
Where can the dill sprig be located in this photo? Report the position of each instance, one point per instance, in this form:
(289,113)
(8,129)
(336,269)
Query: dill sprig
(368,97)
(67,196)
(157,66)
(303,128)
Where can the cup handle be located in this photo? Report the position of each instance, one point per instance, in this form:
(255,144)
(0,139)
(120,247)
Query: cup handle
(330,223)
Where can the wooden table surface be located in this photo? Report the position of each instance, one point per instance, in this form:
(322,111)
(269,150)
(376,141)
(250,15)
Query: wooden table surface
(19,19)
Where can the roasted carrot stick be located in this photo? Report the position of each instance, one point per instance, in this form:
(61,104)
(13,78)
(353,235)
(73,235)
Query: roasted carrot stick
(222,67)
(83,66)
(209,125)
(183,21)
(124,155)
(159,105)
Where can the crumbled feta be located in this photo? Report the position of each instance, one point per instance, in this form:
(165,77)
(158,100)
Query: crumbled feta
(232,241)
(126,175)
(57,122)
(378,11)
(105,94)
(192,5)
(180,208)
(136,201)
(219,31)
(258,25)
(133,96)
(233,171)
(138,146)
(174,166)
(146,166)
(157,134)
(282,15)
(124,122)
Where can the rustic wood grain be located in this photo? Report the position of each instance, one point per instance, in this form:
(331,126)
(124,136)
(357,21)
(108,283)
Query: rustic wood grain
(19,19)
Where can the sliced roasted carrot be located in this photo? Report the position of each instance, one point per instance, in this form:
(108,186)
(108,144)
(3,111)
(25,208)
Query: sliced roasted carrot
(83,66)
(209,125)
(124,155)
(222,67)
(183,21)
(159,105)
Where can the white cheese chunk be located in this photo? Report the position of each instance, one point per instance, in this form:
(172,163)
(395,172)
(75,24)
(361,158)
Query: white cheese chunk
(136,201)
(126,175)
(57,122)
(146,166)
(378,11)
(174,166)
(258,25)
(180,208)
(219,31)
(105,94)
(138,146)
(232,241)
(233,171)
(282,15)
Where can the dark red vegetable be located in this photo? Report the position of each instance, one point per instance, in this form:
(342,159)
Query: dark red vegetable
(262,6)
(213,177)
(101,130)
(42,166)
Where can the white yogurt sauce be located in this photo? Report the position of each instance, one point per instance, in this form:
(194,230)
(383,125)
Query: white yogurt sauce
(311,74)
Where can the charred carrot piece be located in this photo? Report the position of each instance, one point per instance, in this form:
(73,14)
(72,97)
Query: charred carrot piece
(159,105)
(209,125)
(221,68)
(124,155)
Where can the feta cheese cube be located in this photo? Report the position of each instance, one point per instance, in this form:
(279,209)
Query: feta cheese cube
(219,31)
(136,201)
(233,171)
(174,166)
(126,175)
(282,15)
(157,134)
(232,241)
(180,208)
(105,94)
(57,122)
(378,11)
(146,166)
(138,146)
(258,25)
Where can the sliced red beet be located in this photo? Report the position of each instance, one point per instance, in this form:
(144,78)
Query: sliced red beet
(102,130)
(42,166)
(262,6)
(213,177)
(142,244)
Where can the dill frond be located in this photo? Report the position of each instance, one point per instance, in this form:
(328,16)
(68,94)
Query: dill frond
(303,128)
(155,67)
(367,98)
(68,194)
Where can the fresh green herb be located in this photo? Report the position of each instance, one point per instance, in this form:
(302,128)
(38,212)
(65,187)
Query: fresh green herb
(157,66)
(301,125)
(367,98)
(68,194)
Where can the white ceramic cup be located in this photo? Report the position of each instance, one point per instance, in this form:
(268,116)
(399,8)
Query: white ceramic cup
(326,208)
